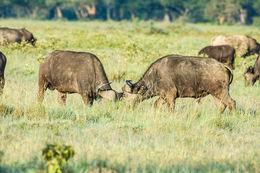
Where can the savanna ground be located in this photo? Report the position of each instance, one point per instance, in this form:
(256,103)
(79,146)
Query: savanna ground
(194,138)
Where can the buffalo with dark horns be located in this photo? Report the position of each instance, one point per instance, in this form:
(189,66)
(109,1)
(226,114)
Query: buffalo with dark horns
(175,76)
(74,72)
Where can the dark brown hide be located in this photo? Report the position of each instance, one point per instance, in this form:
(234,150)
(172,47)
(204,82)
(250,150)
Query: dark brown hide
(243,43)
(223,53)
(74,72)
(16,35)
(176,76)
(252,74)
(2,71)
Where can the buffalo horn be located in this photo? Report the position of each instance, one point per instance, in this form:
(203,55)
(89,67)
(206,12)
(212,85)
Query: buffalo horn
(128,82)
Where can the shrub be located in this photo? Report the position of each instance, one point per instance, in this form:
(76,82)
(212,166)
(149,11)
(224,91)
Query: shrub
(56,156)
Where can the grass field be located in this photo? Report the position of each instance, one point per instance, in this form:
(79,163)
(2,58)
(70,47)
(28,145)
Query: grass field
(194,138)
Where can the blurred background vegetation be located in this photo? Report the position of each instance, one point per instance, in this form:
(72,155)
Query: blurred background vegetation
(216,11)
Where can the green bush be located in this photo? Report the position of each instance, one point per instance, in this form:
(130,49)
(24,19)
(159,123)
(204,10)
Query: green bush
(56,156)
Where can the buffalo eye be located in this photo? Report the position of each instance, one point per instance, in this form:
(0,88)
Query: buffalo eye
(251,69)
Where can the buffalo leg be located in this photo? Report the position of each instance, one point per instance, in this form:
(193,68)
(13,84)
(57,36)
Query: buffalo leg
(170,100)
(158,102)
(226,100)
(62,98)
(2,84)
(171,103)
(198,100)
(86,99)
(42,88)
(136,101)
(221,106)
(230,103)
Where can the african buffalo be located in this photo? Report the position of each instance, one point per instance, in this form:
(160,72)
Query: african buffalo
(176,76)
(251,74)
(74,72)
(16,35)
(223,53)
(243,43)
(2,71)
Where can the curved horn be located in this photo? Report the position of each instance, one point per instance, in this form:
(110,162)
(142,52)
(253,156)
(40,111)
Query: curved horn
(101,85)
(128,82)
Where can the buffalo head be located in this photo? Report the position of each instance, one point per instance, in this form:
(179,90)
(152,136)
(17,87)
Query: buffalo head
(249,75)
(28,36)
(131,90)
(108,94)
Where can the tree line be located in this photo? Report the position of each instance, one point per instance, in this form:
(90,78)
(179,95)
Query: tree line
(222,11)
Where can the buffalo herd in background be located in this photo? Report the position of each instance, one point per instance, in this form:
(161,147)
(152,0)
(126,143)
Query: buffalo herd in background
(9,35)
(169,77)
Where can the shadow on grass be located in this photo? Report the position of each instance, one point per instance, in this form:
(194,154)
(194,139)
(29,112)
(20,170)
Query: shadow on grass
(103,165)
(100,165)
(251,112)
(34,165)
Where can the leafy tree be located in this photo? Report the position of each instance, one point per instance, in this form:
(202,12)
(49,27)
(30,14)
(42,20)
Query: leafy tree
(194,9)
(171,8)
(109,4)
(239,11)
(223,9)
(82,8)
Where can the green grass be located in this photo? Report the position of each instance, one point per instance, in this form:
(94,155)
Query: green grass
(110,136)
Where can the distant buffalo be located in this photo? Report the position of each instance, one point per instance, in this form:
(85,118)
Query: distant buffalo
(223,53)
(74,72)
(252,74)
(2,71)
(175,76)
(10,35)
(243,43)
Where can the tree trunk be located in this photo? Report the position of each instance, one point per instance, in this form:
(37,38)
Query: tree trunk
(35,11)
(243,16)
(108,13)
(77,14)
(166,17)
(91,10)
(58,12)
(83,12)
(221,20)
